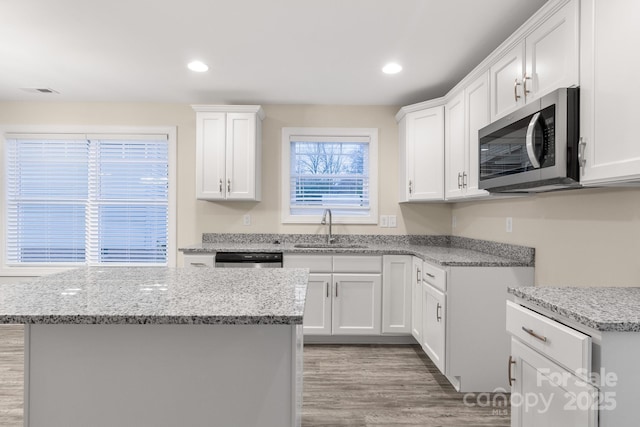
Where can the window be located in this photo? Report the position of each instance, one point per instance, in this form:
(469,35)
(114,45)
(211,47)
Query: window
(330,168)
(88,199)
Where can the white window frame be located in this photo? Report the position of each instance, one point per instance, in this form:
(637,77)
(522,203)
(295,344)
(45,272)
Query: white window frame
(370,133)
(170,131)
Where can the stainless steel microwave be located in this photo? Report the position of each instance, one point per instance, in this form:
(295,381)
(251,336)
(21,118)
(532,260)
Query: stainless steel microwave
(534,149)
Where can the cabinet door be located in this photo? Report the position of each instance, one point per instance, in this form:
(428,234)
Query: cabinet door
(506,82)
(552,53)
(609,105)
(433,329)
(548,394)
(425,154)
(241,156)
(210,155)
(317,309)
(396,294)
(477,117)
(356,304)
(455,170)
(416,299)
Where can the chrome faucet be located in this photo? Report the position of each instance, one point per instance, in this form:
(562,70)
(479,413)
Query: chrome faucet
(324,222)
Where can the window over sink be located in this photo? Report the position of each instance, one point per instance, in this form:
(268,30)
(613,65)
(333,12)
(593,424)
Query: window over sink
(329,168)
(99,198)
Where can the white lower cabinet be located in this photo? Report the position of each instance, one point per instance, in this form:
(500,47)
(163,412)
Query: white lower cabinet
(396,294)
(463,314)
(194,261)
(356,304)
(344,295)
(546,359)
(433,325)
(317,312)
(416,299)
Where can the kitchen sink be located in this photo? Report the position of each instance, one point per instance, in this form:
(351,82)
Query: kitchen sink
(328,246)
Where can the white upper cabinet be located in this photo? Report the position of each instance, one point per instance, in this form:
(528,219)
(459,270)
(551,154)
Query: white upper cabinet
(506,82)
(609,105)
(477,116)
(228,152)
(552,53)
(421,168)
(545,60)
(465,114)
(455,150)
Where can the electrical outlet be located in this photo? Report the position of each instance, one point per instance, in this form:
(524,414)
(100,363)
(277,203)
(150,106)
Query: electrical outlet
(393,222)
(384,221)
(454,221)
(246,219)
(509,224)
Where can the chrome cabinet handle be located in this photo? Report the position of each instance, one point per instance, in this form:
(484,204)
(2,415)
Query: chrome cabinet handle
(459,180)
(197,264)
(529,141)
(220,186)
(326,285)
(511,379)
(464,180)
(430,275)
(228,186)
(581,148)
(418,276)
(438,307)
(524,81)
(533,334)
(336,289)
(410,189)
(515,89)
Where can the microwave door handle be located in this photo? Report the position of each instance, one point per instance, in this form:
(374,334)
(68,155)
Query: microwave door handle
(529,141)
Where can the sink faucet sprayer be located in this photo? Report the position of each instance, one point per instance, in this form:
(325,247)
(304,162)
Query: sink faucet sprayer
(324,222)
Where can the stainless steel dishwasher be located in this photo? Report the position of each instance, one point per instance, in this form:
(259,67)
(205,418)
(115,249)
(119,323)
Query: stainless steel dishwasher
(248,260)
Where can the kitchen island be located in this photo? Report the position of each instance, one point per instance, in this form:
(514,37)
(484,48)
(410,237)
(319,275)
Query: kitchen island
(146,346)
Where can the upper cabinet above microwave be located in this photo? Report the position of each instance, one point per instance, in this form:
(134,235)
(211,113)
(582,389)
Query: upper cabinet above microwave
(228,152)
(609,105)
(545,60)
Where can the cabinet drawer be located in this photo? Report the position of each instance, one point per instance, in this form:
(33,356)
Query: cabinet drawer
(434,276)
(566,346)
(192,261)
(315,264)
(357,264)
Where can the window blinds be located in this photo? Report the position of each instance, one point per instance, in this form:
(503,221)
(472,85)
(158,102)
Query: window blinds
(331,172)
(88,199)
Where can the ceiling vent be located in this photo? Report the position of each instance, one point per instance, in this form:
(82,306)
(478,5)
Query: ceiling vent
(39,90)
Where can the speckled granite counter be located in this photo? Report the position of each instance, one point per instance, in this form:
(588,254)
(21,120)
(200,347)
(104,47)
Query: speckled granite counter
(603,309)
(143,295)
(442,250)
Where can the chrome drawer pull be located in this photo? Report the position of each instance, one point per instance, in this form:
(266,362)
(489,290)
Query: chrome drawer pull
(533,334)
(430,275)
(511,379)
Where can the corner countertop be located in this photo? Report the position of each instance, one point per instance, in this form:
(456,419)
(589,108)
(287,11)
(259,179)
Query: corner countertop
(441,250)
(158,295)
(610,309)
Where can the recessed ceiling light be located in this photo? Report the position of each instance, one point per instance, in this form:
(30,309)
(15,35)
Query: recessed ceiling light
(198,66)
(392,68)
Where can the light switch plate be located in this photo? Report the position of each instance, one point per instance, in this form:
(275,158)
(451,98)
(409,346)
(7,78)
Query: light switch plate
(246,219)
(509,224)
(393,222)
(384,221)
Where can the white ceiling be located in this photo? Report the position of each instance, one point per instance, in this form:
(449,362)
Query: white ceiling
(259,51)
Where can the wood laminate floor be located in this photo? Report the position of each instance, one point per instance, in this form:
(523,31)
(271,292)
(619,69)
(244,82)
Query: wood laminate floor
(344,385)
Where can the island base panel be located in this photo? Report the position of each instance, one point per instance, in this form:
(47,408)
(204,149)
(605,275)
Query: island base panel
(162,375)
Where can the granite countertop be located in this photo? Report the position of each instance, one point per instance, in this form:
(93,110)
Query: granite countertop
(612,309)
(158,295)
(442,250)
